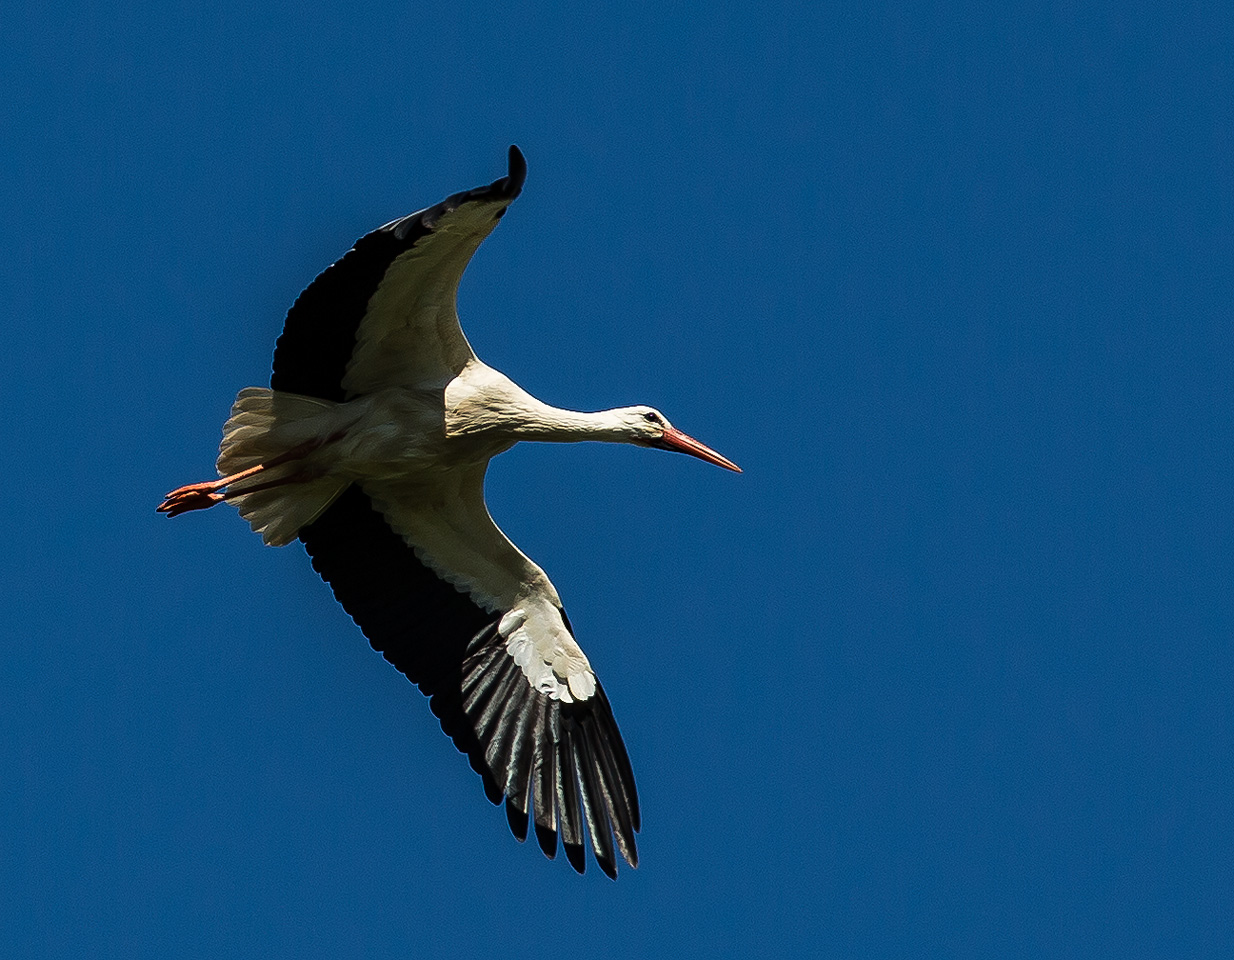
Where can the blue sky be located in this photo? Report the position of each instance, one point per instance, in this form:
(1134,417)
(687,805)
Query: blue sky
(946,673)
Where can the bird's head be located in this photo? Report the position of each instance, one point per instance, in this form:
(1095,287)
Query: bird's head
(648,427)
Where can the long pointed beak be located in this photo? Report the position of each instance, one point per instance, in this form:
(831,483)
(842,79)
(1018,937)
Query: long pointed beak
(674,439)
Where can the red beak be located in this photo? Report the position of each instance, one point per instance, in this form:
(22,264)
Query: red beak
(674,439)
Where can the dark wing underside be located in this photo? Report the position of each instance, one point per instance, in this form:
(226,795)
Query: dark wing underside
(564,764)
(319,335)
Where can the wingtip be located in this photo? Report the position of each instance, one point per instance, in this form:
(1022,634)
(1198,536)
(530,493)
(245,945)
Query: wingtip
(576,856)
(547,838)
(518,169)
(518,820)
(608,867)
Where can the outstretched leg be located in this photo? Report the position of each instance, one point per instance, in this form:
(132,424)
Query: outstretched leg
(199,496)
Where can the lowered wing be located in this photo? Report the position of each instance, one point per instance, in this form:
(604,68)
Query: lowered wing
(449,601)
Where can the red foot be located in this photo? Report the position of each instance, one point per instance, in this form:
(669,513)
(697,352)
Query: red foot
(187,498)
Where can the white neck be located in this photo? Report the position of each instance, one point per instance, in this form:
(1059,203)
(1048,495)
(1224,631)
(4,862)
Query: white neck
(555,425)
(484,402)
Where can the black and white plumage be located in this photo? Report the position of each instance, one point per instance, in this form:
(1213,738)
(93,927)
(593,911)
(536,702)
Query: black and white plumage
(371,446)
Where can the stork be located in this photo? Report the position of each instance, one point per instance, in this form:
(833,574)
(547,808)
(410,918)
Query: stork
(370,446)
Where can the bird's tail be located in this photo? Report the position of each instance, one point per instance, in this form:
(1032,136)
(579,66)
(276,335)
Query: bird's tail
(265,425)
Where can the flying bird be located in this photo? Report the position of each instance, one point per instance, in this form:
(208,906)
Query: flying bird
(370,446)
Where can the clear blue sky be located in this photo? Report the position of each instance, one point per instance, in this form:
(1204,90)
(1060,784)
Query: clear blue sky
(948,672)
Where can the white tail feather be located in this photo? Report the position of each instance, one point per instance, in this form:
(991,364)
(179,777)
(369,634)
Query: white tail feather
(264,424)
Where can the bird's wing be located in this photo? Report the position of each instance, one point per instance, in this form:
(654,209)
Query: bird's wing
(448,600)
(384,315)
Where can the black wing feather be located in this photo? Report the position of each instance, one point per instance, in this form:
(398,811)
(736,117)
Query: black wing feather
(568,807)
(598,823)
(416,620)
(544,797)
(517,819)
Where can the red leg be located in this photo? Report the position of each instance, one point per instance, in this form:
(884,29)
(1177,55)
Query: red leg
(199,496)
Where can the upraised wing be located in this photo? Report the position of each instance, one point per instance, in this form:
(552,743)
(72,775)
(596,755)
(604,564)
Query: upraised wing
(384,314)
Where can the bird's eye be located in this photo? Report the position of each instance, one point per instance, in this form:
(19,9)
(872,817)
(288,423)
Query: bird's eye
(651,417)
